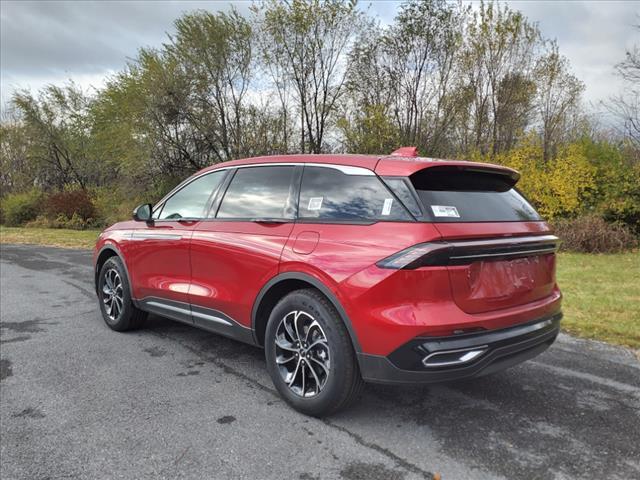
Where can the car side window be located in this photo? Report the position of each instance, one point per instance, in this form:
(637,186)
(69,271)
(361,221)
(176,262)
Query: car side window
(328,194)
(259,192)
(191,200)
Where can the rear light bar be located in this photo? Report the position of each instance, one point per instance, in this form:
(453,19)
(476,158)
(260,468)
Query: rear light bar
(469,251)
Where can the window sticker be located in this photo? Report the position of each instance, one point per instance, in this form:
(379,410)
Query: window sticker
(445,211)
(315,203)
(386,207)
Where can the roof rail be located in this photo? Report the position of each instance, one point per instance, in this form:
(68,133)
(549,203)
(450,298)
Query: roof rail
(405,152)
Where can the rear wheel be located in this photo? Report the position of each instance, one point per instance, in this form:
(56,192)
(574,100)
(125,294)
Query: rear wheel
(309,354)
(116,306)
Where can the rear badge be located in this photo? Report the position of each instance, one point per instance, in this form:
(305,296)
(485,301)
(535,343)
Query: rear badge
(445,211)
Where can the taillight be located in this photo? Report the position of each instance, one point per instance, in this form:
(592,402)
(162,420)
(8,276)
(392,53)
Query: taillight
(421,255)
(466,252)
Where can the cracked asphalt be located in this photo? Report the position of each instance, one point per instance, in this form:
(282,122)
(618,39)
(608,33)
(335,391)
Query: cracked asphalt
(170,401)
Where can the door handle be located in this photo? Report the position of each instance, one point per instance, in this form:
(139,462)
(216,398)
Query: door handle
(270,220)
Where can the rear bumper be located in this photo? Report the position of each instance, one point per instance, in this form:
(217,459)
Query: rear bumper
(443,359)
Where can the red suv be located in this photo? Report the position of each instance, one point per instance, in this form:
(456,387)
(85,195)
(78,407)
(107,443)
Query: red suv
(345,268)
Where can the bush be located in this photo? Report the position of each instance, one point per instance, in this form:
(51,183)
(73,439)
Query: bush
(113,205)
(20,208)
(74,223)
(70,203)
(592,234)
(559,187)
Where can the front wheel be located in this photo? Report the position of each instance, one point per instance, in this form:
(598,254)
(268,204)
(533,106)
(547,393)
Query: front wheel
(309,354)
(114,295)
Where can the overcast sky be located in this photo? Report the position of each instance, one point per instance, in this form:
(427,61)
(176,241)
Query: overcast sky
(44,42)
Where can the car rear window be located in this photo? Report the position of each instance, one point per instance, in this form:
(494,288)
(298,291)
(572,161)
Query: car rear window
(454,195)
(328,194)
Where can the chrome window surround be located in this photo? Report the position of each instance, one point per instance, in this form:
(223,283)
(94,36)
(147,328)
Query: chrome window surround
(346,169)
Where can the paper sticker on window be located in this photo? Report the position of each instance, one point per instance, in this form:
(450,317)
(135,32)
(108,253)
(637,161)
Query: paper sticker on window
(445,211)
(315,203)
(386,207)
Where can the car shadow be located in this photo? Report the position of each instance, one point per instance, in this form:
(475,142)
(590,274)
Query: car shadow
(520,423)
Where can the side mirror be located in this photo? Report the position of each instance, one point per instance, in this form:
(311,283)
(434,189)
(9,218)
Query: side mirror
(142,213)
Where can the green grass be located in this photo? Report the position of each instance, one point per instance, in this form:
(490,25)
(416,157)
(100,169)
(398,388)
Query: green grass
(601,296)
(601,292)
(57,237)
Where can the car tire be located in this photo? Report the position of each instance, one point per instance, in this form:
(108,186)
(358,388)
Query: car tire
(114,294)
(335,381)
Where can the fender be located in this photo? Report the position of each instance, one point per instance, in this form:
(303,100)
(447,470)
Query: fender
(116,250)
(316,284)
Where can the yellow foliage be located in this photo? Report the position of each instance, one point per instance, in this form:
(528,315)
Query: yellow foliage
(558,187)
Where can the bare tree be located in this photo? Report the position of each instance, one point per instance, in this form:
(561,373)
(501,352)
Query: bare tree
(626,106)
(17,171)
(309,40)
(409,72)
(58,123)
(214,52)
(558,98)
(499,63)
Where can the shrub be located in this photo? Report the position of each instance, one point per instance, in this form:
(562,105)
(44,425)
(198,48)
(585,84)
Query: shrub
(592,234)
(113,205)
(19,208)
(558,187)
(74,223)
(70,203)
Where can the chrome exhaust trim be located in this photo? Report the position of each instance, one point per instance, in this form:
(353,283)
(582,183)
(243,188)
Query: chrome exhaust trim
(454,357)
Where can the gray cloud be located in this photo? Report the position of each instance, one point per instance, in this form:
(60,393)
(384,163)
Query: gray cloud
(39,37)
(51,41)
(592,35)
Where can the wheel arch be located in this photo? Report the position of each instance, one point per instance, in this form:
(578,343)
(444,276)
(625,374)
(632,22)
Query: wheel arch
(281,285)
(106,252)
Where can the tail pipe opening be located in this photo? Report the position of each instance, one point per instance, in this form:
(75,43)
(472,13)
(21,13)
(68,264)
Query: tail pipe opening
(450,358)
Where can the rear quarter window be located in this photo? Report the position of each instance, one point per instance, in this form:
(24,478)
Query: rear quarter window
(329,195)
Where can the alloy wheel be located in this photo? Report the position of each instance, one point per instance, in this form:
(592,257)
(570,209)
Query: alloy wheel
(302,354)
(112,294)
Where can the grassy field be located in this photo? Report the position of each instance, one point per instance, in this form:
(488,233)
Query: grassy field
(601,296)
(601,292)
(56,237)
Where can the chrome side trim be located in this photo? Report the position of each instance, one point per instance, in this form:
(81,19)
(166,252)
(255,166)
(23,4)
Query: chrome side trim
(155,236)
(190,311)
(204,318)
(171,308)
(211,318)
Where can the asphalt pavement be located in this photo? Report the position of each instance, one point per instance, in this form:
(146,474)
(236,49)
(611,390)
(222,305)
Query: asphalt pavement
(78,400)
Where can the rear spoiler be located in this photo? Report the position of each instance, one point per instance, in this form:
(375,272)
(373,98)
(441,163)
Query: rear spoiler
(465,176)
(405,162)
